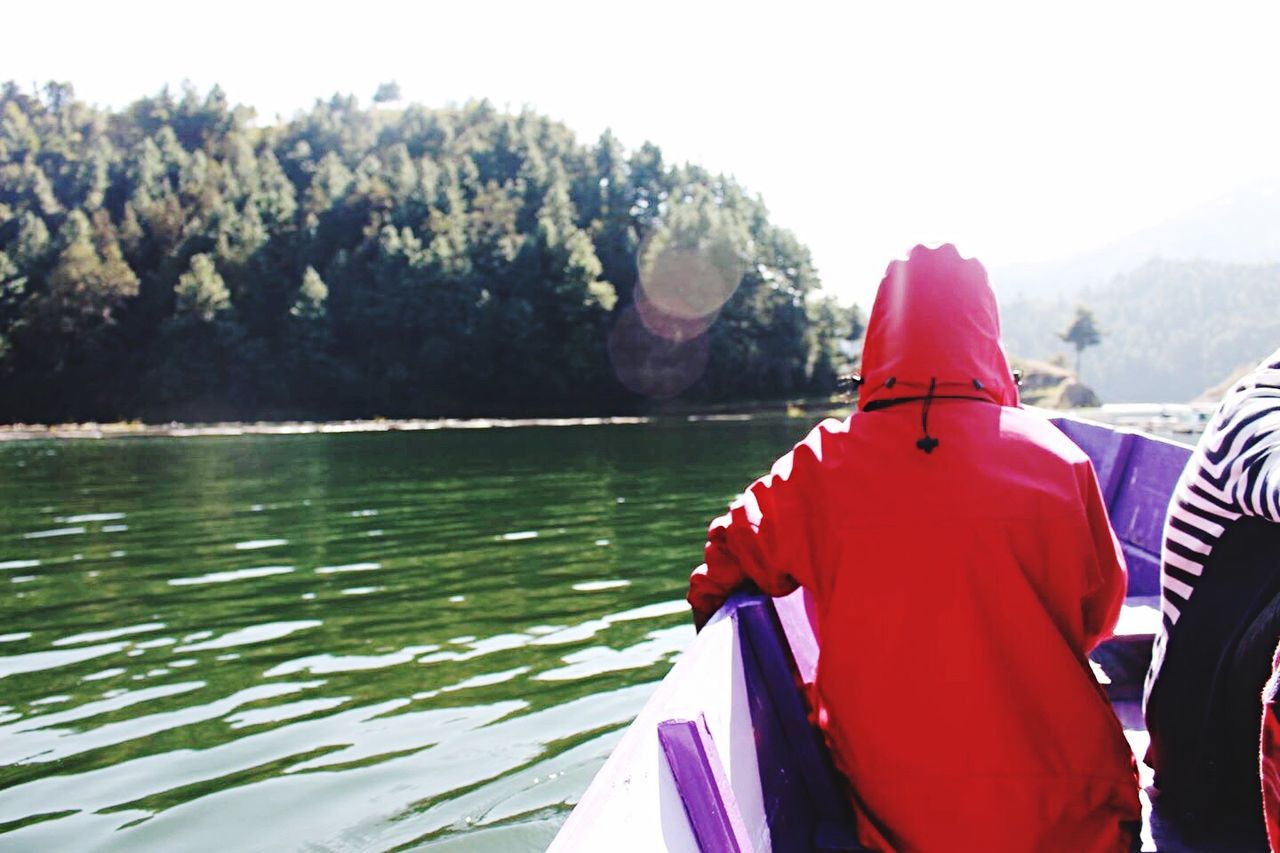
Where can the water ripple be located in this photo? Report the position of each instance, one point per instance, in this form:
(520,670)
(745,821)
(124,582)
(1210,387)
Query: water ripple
(234,575)
(40,661)
(250,635)
(91,516)
(350,567)
(597,586)
(96,636)
(327,664)
(59,531)
(256,544)
(159,692)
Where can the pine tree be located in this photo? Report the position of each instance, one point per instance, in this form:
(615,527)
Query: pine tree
(387,93)
(12,284)
(312,294)
(69,313)
(201,293)
(1082,334)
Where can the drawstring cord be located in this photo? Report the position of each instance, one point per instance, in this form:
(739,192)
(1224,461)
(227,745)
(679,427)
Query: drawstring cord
(928,442)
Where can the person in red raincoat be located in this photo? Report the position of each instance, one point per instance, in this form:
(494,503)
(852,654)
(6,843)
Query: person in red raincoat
(963,567)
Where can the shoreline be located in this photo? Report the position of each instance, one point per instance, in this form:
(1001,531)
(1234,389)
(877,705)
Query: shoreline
(1180,422)
(748,410)
(98,431)
(29,432)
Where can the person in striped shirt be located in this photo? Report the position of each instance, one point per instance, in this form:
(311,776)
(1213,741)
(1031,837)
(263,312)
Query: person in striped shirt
(1220,601)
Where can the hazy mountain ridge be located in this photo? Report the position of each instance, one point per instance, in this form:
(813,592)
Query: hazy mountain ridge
(1242,227)
(1171,329)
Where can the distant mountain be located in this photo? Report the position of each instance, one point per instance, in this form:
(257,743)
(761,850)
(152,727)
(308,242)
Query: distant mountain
(1181,304)
(1170,329)
(1242,227)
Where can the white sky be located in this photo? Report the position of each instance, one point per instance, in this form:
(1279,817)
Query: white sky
(1020,134)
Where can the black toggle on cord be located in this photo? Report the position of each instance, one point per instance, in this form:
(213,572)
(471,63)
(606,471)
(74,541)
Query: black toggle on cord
(928,442)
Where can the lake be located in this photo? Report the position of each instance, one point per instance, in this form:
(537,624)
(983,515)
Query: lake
(425,640)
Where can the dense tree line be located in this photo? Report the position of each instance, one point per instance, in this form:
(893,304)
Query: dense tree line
(1171,329)
(175,259)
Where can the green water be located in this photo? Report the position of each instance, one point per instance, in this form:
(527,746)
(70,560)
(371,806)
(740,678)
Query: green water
(358,642)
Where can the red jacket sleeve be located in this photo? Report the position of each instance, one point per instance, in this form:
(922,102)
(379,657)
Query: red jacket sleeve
(1269,754)
(768,534)
(1106,580)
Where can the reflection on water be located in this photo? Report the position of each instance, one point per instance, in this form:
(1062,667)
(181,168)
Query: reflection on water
(351,641)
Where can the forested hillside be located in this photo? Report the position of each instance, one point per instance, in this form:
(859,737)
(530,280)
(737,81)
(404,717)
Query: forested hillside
(176,259)
(1170,329)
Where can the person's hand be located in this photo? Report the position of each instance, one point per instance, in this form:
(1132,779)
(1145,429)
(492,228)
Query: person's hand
(700,619)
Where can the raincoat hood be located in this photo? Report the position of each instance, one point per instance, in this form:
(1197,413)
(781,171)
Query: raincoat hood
(935,325)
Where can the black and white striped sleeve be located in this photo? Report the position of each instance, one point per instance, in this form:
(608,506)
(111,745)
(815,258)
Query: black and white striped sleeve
(1234,472)
(1257,488)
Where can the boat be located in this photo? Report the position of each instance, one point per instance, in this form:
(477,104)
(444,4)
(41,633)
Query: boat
(723,757)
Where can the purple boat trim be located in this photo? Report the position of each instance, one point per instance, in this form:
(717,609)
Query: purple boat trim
(797,614)
(1139,510)
(704,788)
(1107,448)
(800,787)
(1137,474)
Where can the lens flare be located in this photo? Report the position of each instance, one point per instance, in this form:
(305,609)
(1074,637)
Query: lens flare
(673,327)
(653,365)
(682,287)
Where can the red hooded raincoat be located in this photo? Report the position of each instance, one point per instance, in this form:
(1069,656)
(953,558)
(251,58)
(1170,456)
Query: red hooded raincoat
(963,567)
